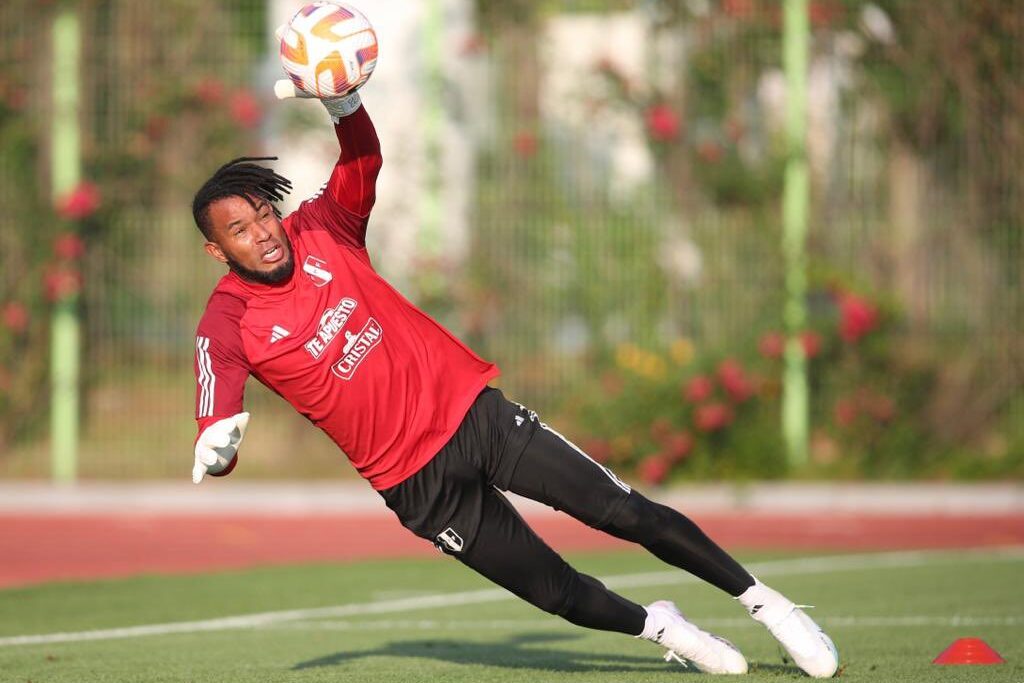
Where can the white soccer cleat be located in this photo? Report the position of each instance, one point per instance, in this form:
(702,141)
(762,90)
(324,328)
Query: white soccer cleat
(809,647)
(688,644)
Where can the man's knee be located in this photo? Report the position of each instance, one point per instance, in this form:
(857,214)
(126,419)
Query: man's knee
(532,572)
(557,595)
(638,519)
(548,589)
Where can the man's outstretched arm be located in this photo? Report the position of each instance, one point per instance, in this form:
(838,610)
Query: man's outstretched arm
(221,370)
(344,202)
(353,182)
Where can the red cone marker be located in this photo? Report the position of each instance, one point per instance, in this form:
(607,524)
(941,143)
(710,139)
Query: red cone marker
(969,651)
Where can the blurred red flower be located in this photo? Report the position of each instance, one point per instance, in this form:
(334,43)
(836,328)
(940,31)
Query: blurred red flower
(15,317)
(698,389)
(68,246)
(857,317)
(209,91)
(605,65)
(824,12)
(662,123)
(473,44)
(811,341)
(525,144)
(734,380)
(734,130)
(653,469)
(739,9)
(772,345)
(678,447)
(730,368)
(245,109)
(17,98)
(598,449)
(711,152)
(156,126)
(612,384)
(660,429)
(845,412)
(880,407)
(81,202)
(713,417)
(61,282)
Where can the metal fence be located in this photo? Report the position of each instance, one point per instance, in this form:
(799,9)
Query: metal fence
(625,200)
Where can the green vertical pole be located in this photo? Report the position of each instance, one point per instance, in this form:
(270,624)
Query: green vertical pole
(795,204)
(430,237)
(65,164)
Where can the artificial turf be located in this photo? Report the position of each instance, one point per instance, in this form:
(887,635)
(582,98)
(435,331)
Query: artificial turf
(889,615)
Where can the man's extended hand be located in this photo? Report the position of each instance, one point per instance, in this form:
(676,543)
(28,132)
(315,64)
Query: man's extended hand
(218,444)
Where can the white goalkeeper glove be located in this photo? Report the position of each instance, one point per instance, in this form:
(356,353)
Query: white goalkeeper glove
(337,107)
(218,444)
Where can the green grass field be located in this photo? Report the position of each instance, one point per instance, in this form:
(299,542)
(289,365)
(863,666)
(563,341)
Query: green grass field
(433,620)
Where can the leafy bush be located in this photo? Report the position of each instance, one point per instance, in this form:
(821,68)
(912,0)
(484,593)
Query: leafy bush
(689,413)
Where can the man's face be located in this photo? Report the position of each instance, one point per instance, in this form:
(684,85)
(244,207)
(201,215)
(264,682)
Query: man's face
(250,239)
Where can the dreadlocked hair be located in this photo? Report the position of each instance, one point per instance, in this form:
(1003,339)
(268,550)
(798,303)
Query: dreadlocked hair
(239,178)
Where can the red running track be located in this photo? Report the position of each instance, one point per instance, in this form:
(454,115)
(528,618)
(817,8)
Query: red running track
(36,549)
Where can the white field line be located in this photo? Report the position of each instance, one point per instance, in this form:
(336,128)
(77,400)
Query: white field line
(713,622)
(808,565)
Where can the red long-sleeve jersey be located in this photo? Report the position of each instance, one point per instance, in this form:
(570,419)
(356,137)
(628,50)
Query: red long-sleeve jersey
(386,382)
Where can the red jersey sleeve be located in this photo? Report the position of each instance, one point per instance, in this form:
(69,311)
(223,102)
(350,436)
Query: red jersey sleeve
(343,205)
(220,364)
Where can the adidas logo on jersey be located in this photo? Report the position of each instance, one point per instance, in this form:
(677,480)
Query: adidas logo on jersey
(278,333)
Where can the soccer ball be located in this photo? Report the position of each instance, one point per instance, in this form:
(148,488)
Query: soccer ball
(328,49)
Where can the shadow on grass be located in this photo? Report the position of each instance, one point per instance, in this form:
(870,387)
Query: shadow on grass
(510,653)
(777,669)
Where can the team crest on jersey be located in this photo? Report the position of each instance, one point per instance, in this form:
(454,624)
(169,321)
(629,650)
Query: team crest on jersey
(357,347)
(449,539)
(316,269)
(331,323)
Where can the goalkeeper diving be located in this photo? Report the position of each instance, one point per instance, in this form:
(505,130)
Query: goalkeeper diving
(302,309)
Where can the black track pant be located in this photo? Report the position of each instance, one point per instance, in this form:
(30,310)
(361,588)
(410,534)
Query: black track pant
(456,503)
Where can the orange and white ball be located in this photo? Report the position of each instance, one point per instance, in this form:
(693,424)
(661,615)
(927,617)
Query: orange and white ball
(328,49)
